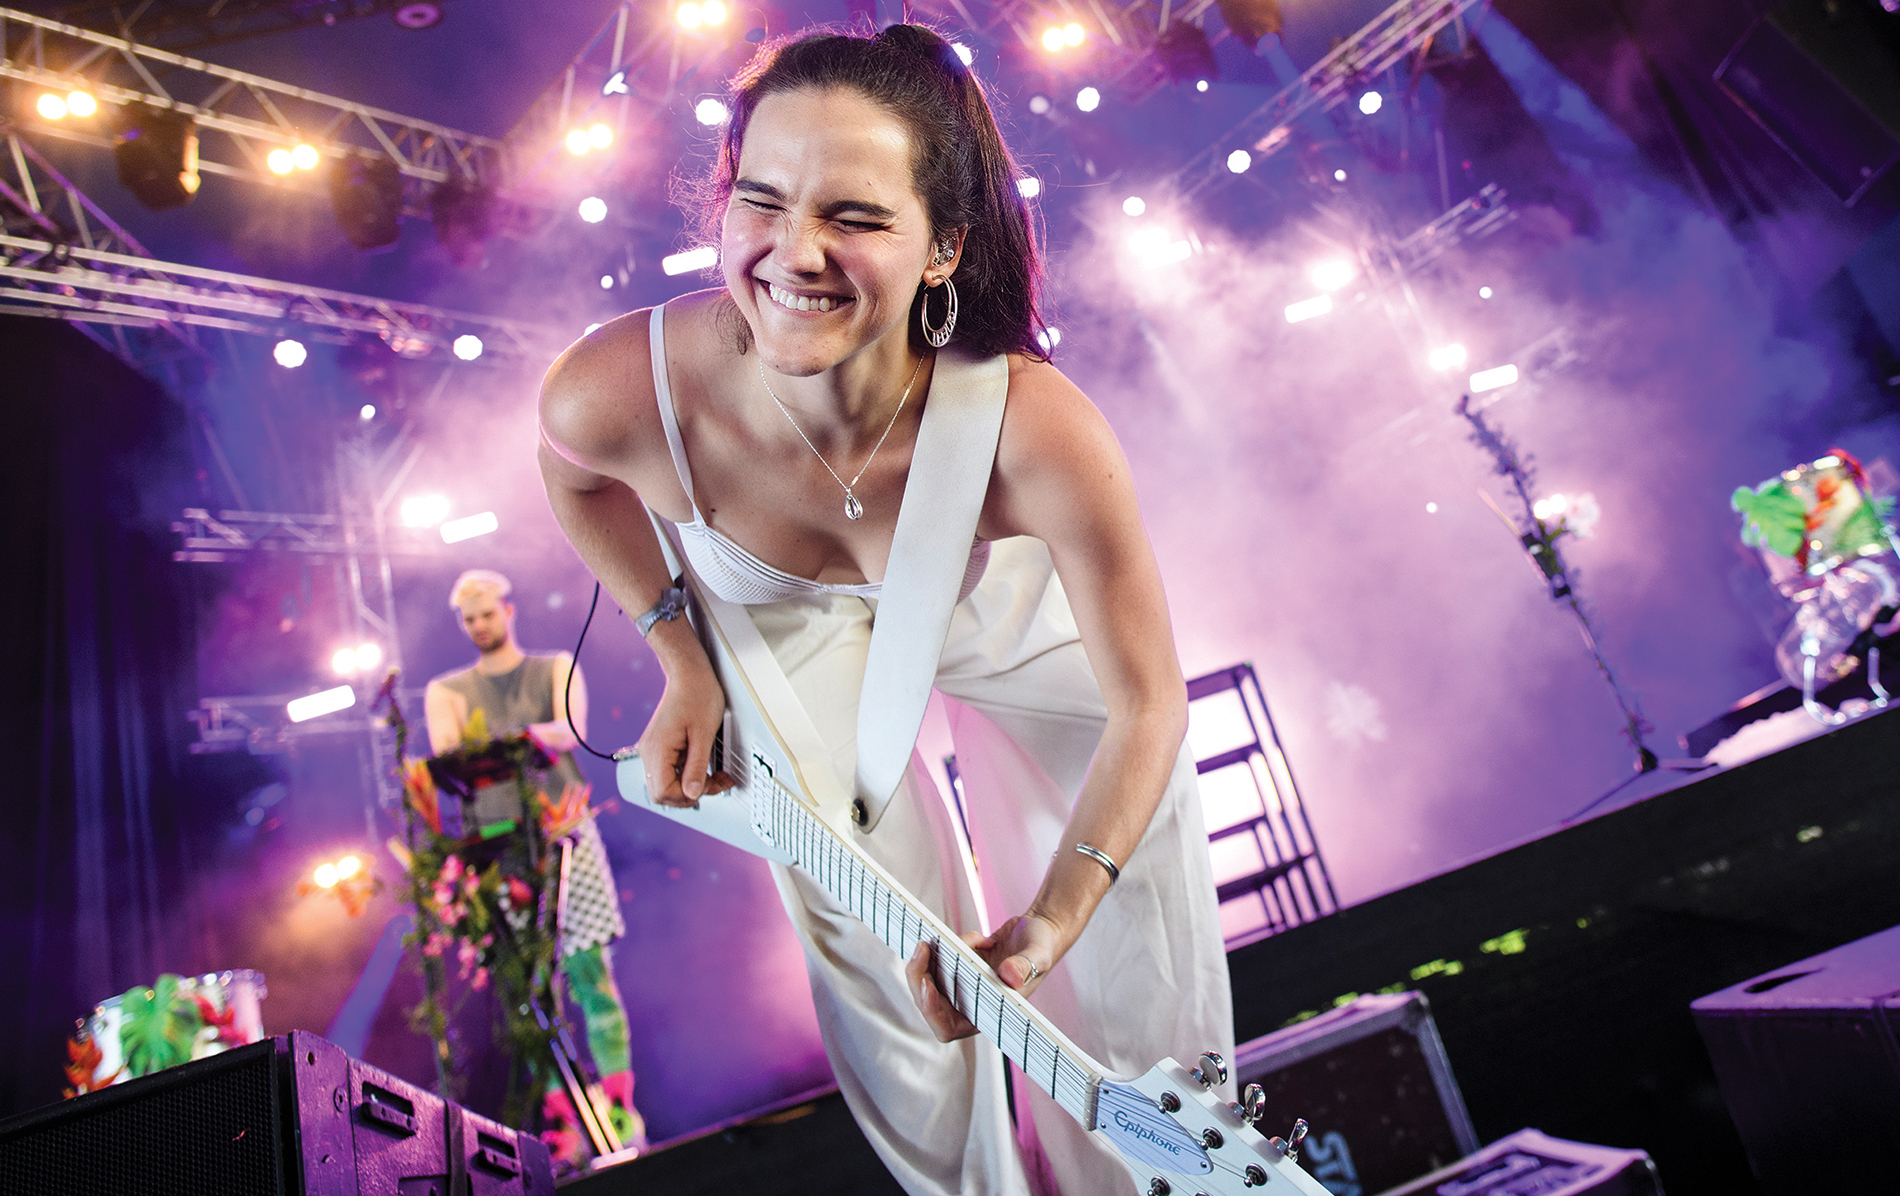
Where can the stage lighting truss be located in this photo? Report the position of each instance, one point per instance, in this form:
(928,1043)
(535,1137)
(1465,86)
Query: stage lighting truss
(262,725)
(1480,216)
(181,25)
(249,115)
(1133,45)
(1406,30)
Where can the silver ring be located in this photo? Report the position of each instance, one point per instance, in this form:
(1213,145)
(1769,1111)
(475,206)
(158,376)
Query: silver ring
(1035,969)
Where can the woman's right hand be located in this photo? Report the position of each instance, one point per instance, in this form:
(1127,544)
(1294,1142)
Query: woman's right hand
(676,747)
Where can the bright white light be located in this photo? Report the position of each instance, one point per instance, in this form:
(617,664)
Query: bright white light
(1332,274)
(348,866)
(368,655)
(423,510)
(577,142)
(689,16)
(326,875)
(1052,39)
(467,346)
(1039,105)
(1484,292)
(327,702)
(1239,161)
(711,112)
(1029,187)
(1049,338)
(1157,247)
(51,106)
(1134,205)
(290,354)
(599,136)
(692,259)
(1200,85)
(1431,508)
(1485,380)
(712,12)
(366,412)
(1088,99)
(1448,357)
(616,84)
(1339,176)
(305,157)
(1371,102)
(280,161)
(344,661)
(1072,34)
(965,53)
(1550,507)
(593,209)
(1306,309)
(589,330)
(468,527)
(81,103)
(606,282)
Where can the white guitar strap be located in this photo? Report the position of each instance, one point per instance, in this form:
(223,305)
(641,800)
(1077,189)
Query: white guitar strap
(936,525)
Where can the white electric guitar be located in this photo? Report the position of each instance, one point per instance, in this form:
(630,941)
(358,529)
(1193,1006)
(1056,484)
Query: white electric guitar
(1172,1132)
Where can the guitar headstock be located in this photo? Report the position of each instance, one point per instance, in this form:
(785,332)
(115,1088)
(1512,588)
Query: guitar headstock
(1179,1138)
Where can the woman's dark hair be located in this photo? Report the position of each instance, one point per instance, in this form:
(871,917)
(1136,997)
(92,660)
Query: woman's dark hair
(962,168)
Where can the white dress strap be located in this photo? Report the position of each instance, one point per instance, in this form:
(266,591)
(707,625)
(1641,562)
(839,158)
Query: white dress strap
(663,392)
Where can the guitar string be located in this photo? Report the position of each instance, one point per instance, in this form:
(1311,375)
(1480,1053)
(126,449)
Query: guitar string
(1080,1082)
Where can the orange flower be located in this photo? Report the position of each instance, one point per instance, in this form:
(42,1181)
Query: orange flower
(561,818)
(419,787)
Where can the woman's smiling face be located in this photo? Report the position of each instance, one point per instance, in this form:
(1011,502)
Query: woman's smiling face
(825,236)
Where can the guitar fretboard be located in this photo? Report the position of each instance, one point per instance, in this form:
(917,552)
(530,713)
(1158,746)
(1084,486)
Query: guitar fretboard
(1021,1032)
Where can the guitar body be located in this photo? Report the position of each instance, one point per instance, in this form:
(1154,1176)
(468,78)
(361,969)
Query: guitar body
(1168,1126)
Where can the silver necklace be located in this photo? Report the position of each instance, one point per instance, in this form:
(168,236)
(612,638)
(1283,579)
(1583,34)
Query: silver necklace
(853,509)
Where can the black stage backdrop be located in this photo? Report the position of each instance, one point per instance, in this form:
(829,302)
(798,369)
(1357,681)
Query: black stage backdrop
(100,664)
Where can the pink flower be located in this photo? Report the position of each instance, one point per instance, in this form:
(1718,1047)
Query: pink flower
(451,868)
(480,980)
(443,895)
(470,883)
(436,944)
(519,893)
(487,941)
(452,913)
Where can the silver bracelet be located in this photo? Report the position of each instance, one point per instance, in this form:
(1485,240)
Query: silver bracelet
(672,605)
(1101,857)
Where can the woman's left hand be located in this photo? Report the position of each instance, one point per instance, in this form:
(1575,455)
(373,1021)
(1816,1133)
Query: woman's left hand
(1021,950)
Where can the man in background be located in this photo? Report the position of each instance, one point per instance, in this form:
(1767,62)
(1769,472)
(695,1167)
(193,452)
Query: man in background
(504,692)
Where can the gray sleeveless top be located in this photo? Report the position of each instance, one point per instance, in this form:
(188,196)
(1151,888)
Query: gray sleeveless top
(509,702)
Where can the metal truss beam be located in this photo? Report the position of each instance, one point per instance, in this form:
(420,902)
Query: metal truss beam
(1479,216)
(1125,31)
(249,114)
(94,286)
(191,24)
(1404,30)
(208,538)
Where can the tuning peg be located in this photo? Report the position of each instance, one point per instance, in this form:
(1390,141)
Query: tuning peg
(1253,1103)
(1290,1145)
(1212,1071)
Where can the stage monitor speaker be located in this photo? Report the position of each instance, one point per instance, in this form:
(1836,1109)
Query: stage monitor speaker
(1531,1162)
(1372,1082)
(289,1116)
(1822,77)
(1809,1067)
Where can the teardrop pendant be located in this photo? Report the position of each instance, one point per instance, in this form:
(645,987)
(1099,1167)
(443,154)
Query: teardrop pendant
(853,509)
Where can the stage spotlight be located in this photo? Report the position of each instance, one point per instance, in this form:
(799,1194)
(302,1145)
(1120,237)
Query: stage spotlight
(593,209)
(1200,85)
(328,701)
(1306,309)
(1447,357)
(689,16)
(1549,507)
(369,654)
(279,161)
(577,142)
(289,353)
(1484,292)
(1339,176)
(1332,274)
(305,157)
(1134,205)
(1431,508)
(468,527)
(1029,187)
(52,107)
(1072,34)
(1371,102)
(606,282)
(1088,99)
(964,53)
(692,259)
(1185,54)
(157,154)
(599,136)
(366,194)
(1156,247)
(1492,379)
(343,661)
(1251,20)
(1239,161)
(81,103)
(1049,338)
(463,213)
(348,866)
(366,412)
(423,510)
(467,346)
(1039,105)
(711,112)
(326,876)
(616,85)
(712,12)
(1051,41)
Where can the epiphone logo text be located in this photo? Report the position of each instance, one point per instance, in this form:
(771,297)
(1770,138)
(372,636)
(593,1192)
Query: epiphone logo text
(1143,1132)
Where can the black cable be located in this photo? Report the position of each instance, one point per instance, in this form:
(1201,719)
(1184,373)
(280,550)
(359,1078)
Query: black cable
(567,695)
